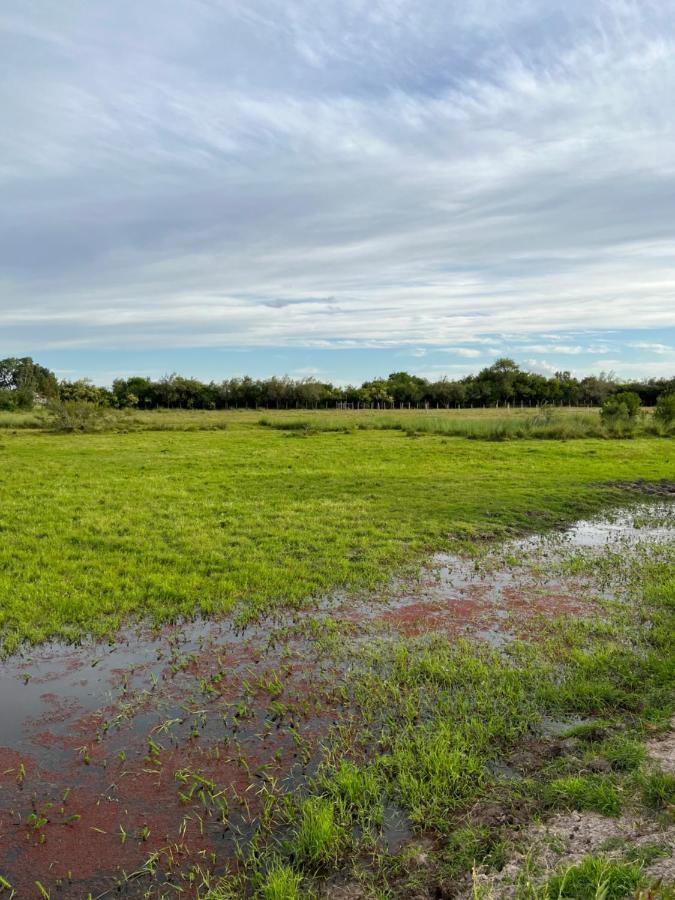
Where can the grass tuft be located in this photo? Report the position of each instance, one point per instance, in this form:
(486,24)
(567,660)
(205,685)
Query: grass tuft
(658,790)
(318,839)
(595,879)
(358,792)
(585,792)
(281,883)
(623,753)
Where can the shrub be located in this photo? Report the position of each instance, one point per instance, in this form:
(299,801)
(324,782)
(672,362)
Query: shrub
(665,409)
(619,412)
(78,415)
(7,400)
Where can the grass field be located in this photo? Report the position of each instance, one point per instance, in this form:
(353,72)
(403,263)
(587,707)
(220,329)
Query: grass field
(167,524)
(412,739)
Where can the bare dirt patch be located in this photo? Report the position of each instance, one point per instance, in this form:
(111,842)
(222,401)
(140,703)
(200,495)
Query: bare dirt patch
(565,840)
(661,750)
(663,488)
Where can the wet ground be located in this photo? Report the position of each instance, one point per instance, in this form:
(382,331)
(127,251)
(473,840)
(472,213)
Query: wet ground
(500,596)
(137,765)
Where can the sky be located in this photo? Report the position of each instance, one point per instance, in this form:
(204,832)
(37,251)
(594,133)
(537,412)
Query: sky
(338,189)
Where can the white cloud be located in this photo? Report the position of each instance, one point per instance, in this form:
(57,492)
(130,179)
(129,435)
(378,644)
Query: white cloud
(553,348)
(398,174)
(641,369)
(541,367)
(466,352)
(601,349)
(651,347)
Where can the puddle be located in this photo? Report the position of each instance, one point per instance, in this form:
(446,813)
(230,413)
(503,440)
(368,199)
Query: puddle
(500,597)
(645,524)
(162,742)
(549,727)
(396,828)
(503,771)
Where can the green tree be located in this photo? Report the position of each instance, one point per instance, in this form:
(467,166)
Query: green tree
(83,391)
(26,381)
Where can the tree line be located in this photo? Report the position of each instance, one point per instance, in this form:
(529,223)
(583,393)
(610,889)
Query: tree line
(24,383)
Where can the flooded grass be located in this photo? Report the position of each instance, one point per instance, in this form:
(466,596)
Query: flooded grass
(386,742)
(285,751)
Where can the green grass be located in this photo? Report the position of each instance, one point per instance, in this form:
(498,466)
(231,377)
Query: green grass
(98,528)
(12,420)
(623,753)
(358,792)
(454,707)
(434,714)
(585,792)
(498,425)
(281,883)
(595,879)
(317,842)
(658,790)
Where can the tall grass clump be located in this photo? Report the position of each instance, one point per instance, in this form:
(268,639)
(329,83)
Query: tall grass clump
(280,883)
(20,420)
(585,793)
(318,838)
(623,753)
(544,425)
(594,879)
(658,790)
(309,426)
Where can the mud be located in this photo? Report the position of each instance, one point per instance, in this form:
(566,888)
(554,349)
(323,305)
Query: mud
(507,593)
(158,745)
(565,840)
(663,488)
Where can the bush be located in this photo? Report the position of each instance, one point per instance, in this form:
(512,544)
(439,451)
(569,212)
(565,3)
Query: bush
(624,405)
(7,400)
(619,412)
(78,415)
(665,409)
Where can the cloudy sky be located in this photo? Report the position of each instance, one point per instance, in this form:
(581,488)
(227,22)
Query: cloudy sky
(341,188)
